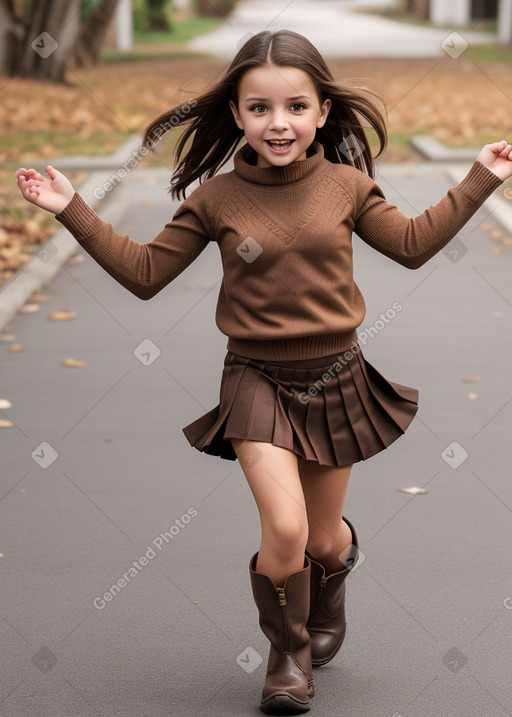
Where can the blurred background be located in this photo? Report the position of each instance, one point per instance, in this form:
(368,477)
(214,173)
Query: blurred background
(80,77)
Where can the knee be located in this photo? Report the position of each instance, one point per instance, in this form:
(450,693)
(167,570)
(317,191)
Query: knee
(320,545)
(288,534)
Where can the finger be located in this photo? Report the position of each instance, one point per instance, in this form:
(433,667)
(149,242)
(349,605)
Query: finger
(30,193)
(505,151)
(497,147)
(33,183)
(32,174)
(52,172)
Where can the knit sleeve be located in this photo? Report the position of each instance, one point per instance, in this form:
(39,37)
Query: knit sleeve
(143,269)
(412,242)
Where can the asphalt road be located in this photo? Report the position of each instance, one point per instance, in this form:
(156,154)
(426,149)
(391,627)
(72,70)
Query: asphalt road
(125,586)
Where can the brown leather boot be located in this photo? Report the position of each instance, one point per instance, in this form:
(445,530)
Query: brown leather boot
(283,614)
(327,623)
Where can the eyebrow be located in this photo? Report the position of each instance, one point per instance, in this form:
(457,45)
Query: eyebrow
(265,99)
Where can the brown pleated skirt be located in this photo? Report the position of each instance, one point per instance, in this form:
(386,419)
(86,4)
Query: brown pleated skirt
(330,410)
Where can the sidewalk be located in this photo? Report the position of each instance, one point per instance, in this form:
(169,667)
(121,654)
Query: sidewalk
(336,29)
(99,488)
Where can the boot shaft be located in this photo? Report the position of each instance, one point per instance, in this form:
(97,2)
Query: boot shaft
(283,611)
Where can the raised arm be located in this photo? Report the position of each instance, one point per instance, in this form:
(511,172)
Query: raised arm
(413,241)
(143,269)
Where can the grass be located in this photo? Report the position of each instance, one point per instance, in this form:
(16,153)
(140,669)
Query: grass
(165,45)
(63,143)
(494,54)
(181,31)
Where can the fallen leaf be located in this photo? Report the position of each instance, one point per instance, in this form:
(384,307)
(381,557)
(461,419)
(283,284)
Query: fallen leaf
(14,348)
(76,259)
(205,285)
(507,241)
(29,309)
(5,404)
(39,298)
(497,234)
(62,315)
(472,379)
(413,490)
(473,396)
(7,337)
(74,363)
(6,424)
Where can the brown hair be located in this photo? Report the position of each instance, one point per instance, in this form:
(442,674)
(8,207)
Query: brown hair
(215,136)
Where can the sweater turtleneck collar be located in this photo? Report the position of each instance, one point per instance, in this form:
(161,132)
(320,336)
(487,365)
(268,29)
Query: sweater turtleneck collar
(293,172)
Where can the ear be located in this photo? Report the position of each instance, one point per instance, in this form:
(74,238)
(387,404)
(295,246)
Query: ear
(324,111)
(236,114)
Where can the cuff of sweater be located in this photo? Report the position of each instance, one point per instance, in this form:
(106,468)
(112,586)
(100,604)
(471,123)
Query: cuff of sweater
(479,183)
(78,217)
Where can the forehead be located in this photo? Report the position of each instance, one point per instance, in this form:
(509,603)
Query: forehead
(272,82)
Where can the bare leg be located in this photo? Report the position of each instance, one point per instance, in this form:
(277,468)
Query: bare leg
(325,489)
(273,477)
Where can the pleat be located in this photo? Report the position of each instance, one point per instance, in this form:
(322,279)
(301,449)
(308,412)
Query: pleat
(376,429)
(283,433)
(398,402)
(206,433)
(299,417)
(350,417)
(342,436)
(316,424)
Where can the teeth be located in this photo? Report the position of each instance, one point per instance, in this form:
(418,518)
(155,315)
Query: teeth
(281,141)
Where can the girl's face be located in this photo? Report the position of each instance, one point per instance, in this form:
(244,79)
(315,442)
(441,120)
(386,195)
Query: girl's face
(279,103)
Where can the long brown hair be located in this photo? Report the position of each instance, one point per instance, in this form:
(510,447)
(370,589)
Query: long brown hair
(215,136)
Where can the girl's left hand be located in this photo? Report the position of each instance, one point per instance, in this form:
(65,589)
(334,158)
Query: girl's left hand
(498,158)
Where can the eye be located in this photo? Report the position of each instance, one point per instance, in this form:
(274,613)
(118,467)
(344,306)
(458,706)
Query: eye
(256,109)
(298,106)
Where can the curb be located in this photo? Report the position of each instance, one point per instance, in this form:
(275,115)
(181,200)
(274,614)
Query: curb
(48,259)
(460,160)
(95,164)
(434,151)
(497,204)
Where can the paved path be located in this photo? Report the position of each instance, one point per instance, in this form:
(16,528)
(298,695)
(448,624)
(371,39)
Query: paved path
(336,30)
(98,482)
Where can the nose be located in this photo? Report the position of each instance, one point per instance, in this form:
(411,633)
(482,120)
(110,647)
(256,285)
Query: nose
(278,121)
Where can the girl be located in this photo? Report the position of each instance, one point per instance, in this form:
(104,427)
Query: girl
(298,403)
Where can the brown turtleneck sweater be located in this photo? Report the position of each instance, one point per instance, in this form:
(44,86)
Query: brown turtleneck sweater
(285,237)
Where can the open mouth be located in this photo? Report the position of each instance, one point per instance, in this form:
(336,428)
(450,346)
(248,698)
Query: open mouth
(279,145)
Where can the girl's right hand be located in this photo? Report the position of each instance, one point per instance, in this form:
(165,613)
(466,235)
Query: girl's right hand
(53,194)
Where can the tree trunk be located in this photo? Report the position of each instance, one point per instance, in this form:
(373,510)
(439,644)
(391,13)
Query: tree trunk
(92,35)
(40,39)
(156,15)
(51,35)
(12,35)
